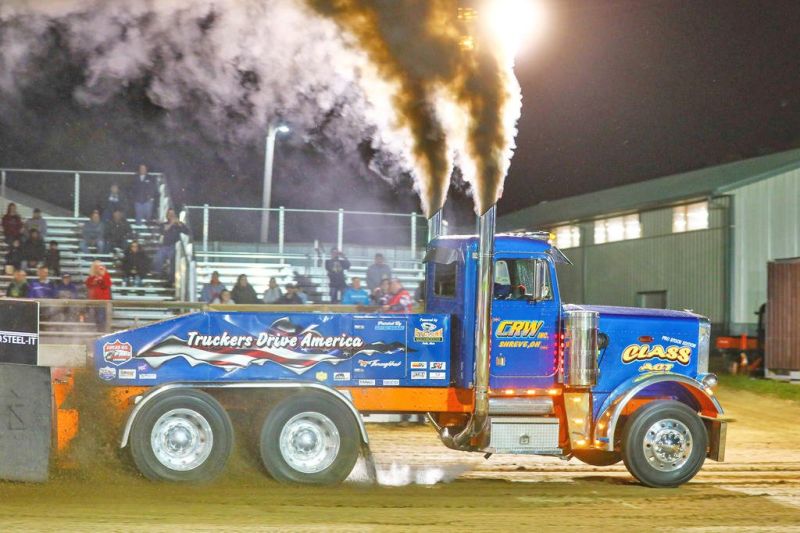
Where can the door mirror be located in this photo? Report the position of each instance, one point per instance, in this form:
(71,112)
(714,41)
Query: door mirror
(541,282)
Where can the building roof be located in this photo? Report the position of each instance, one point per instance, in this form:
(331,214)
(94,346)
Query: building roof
(654,193)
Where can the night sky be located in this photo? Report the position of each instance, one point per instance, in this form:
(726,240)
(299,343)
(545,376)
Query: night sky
(617,91)
(630,90)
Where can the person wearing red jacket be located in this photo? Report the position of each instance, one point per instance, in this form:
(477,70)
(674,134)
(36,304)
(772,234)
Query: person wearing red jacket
(98,287)
(400,300)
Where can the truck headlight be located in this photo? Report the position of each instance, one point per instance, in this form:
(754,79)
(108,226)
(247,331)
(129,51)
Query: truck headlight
(703,343)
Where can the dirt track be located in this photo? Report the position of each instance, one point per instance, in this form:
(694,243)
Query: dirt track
(758,489)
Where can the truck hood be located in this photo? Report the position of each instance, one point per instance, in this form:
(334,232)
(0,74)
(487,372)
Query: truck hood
(634,311)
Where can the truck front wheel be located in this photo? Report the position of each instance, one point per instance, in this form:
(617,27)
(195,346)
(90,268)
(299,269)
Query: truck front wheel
(664,444)
(182,436)
(309,439)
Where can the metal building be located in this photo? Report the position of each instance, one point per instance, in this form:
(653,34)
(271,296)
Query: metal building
(698,240)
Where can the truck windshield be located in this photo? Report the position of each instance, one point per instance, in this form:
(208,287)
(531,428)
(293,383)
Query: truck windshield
(515,279)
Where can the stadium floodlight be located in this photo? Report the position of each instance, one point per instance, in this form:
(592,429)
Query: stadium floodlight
(513,24)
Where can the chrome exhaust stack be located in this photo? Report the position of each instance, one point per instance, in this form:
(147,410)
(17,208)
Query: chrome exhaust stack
(476,433)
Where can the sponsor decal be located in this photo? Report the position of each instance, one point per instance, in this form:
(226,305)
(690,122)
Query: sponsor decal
(391,382)
(296,348)
(518,328)
(377,363)
(107,373)
(341,376)
(419,365)
(390,325)
(142,367)
(673,340)
(419,374)
(321,376)
(428,332)
(366,382)
(142,375)
(643,352)
(127,373)
(117,353)
(438,365)
(438,375)
(656,367)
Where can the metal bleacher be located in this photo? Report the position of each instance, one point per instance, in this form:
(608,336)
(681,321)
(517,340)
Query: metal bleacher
(300,269)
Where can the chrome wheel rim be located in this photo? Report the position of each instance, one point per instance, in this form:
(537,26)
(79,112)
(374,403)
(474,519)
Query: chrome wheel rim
(181,439)
(309,442)
(667,445)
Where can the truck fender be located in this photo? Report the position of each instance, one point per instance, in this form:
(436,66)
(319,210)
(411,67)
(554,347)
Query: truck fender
(141,401)
(609,414)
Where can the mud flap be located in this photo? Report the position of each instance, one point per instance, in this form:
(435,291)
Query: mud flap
(717,432)
(25,422)
(369,463)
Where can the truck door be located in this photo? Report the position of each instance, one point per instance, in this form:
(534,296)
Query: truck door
(525,314)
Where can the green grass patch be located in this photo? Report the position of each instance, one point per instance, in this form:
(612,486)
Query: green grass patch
(769,387)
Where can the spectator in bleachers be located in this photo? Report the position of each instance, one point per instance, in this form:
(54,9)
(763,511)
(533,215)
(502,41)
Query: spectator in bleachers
(92,234)
(171,231)
(336,266)
(301,294)
(14,257)
(224,298)
(291,297)
(41,287)
(112,202)
(12,224)
(212,290)
(382,294)
(53,259)
(98,287)
(36,222)
(117,232)
(243,292)
(355,294)
(273,292)
(66,290)
(377,272)
(145,191)
(33,250)
(18,288)
(400,300)
(135,265)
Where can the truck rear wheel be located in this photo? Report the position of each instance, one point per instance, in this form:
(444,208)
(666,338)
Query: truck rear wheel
(182,436)
(664,444)
(309,439)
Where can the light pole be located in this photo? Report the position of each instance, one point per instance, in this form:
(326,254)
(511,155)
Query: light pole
(266,198)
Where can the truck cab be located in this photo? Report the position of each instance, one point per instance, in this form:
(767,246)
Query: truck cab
(526,307)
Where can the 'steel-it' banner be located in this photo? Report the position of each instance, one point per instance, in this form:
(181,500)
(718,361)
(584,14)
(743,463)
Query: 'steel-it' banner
(19,331)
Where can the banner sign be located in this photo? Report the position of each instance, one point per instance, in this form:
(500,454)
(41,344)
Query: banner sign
(19,331)
(341,350)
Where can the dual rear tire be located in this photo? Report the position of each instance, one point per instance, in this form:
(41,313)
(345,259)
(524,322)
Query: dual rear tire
(187,436)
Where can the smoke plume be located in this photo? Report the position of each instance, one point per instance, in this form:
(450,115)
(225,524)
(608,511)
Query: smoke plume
(395,74)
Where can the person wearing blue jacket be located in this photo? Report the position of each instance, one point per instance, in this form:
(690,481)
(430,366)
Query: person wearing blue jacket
(355,294)
(42,287)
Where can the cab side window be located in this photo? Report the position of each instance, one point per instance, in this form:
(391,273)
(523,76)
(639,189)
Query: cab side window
(522,279)
(444,280)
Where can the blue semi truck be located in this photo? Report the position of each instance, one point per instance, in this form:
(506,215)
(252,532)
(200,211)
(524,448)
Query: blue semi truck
(498,361)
